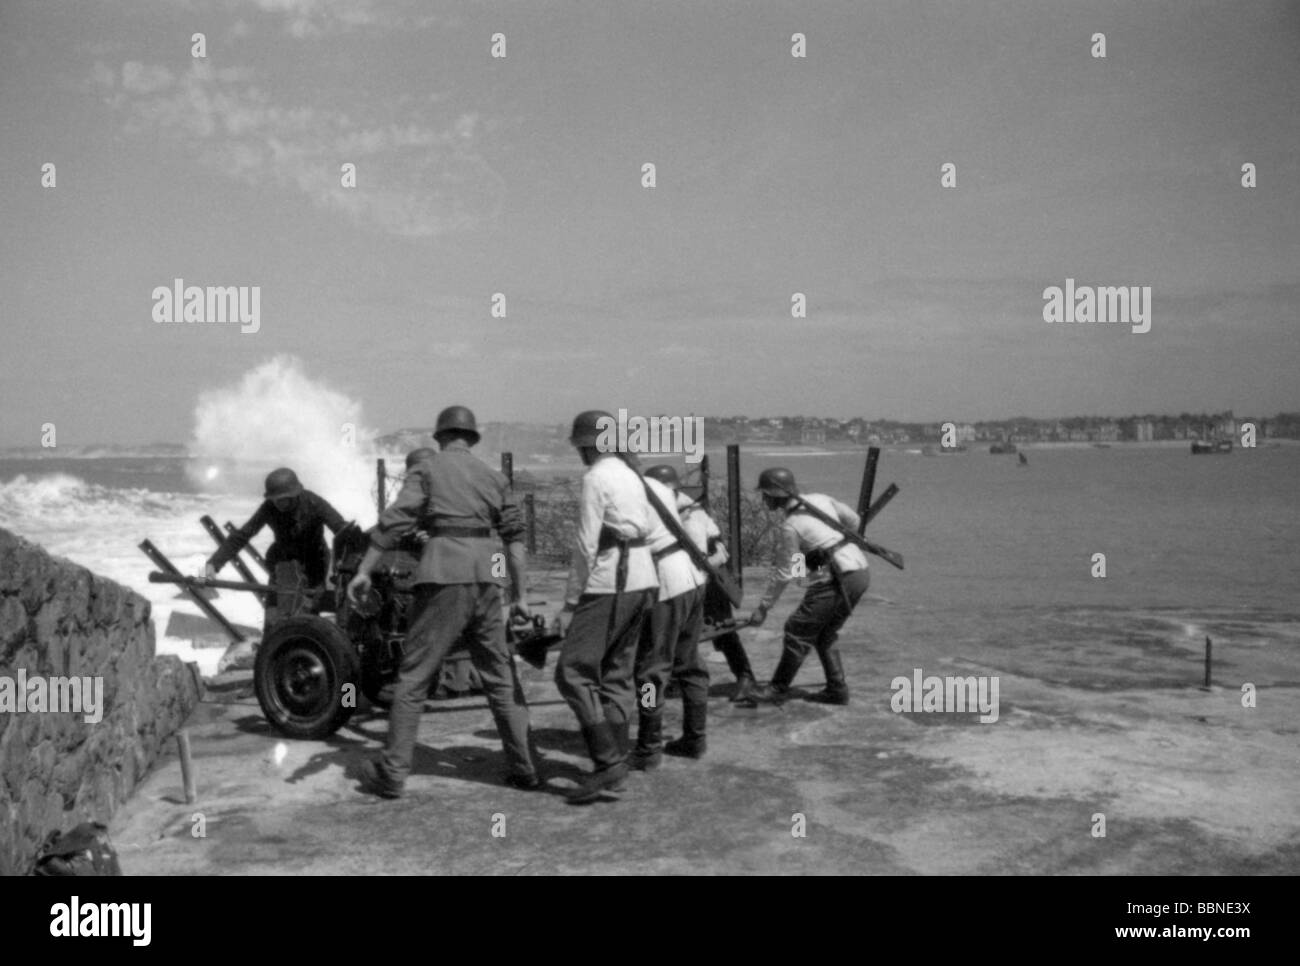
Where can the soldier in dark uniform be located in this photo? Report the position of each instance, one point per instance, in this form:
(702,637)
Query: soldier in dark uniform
(298,518)
(464,504)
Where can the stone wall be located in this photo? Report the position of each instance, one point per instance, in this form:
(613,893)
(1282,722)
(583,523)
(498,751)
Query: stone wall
(58,619)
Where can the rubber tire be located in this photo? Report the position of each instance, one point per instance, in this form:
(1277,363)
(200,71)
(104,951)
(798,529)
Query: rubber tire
(322,651)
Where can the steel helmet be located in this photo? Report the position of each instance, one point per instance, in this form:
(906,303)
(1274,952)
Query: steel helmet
(588,427)
(458,418)
(777,481)
(665,474)
(282,482)
(419,455)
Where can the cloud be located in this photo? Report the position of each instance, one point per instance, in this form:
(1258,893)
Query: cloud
(415,178)
(140,79)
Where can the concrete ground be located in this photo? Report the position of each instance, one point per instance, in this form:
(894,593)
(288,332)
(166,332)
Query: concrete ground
(1099,713)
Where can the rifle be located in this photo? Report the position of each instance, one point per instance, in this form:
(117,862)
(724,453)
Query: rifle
(889,556)
(725,582)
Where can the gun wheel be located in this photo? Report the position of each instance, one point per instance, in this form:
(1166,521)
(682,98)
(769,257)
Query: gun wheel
(303,668)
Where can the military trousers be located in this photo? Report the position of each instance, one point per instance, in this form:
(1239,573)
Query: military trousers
(816,622)
(440,614)
(594,672)
(669,646)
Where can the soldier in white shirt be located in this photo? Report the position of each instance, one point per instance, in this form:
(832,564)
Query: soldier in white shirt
(612,586)
(670,639)
(838,577)
(717,607)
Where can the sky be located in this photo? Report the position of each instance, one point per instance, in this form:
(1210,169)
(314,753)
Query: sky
(522,176)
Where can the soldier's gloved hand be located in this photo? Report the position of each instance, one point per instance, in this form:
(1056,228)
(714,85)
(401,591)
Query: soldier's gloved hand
(759,615)
(519,612)
(209,573)
(358,588)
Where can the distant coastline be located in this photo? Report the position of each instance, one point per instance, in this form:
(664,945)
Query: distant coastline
(751,447)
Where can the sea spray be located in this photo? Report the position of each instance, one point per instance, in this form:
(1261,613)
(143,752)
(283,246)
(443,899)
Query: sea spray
(277,416)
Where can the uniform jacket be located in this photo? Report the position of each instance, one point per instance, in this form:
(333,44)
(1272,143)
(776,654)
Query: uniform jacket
(802,533)
(677,575)
(697,522)
(299,535)
(453,488)
(612,496)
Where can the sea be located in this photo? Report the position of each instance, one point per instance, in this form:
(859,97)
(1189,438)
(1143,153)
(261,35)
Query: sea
(980,533)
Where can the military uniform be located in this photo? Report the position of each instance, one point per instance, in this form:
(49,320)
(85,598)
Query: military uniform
(717,606)
(298,519)
(838,577)
(611,588)
(463,504)
(299,536)
(669,639)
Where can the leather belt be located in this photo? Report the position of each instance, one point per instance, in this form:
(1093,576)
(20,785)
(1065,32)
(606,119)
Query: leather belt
(611,538)
(667,551)
(816,559)
(438,531)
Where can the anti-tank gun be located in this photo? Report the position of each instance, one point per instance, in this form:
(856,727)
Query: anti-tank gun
(320,648)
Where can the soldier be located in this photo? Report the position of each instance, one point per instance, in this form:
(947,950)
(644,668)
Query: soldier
(669,640)
(717,607)
(839,578)
(462,502)
(298,518)
(612,586)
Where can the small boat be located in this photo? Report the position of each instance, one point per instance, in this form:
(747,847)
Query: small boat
(1211,448)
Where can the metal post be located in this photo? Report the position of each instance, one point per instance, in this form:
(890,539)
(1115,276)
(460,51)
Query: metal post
(735,563)
(1209,651)
(890,492)
(508,466)
(381,478)
(187,766)
(868,484)
(236,561)
(704,483)
(530,517)
(205,605)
